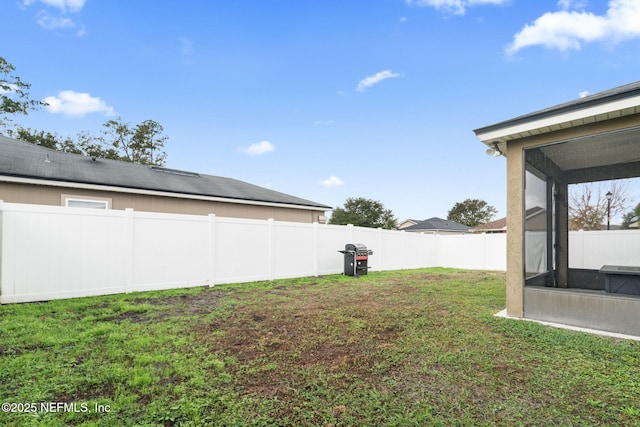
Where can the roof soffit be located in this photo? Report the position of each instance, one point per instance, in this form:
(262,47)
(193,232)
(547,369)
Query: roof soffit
(563,120)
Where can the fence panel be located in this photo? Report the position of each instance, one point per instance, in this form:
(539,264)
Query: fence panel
(293,250)
(48,253)
(475,252)
(169,252)
(331,239)
(388,251)
(495,252)
(420,250)
(593,249)
(402,250)
(242,250)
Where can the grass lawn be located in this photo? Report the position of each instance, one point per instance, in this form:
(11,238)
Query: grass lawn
(403,348)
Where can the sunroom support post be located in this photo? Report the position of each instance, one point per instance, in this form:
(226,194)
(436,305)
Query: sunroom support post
(551,229)
(562,234)
(515,227)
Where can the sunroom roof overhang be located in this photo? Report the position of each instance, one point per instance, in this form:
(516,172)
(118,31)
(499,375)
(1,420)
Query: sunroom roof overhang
(608,105)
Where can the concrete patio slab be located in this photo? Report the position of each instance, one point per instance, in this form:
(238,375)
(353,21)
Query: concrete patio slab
(504,315)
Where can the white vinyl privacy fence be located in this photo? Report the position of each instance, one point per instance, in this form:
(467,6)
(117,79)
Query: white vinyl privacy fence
(50,252)
(592,249)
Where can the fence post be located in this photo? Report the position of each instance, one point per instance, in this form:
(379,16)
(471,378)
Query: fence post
(129,249)
(315,249)
(579,244)
(439,255)
(271,255)
(403,251)
(485,259)
(379,258)
(211,270)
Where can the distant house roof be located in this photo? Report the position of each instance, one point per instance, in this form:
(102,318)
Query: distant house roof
(437,224)
(21,160)
(407,223)
(498,225)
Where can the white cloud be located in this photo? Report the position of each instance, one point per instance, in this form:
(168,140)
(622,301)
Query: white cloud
(567,29)
(375,79)
(59,20)
(259,148)
(49,22)
(332,181)
(63,5)
(457,7)
(77,104)
(583,93)
(572,4)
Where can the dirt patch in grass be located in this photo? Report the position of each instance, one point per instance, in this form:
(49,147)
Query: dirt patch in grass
(17,351)
(347,331)
(171,306)
(200,303)
(87,394)
(131,316)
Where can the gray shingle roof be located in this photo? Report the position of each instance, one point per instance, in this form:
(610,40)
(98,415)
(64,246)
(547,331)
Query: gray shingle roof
(26,160)
(437,224)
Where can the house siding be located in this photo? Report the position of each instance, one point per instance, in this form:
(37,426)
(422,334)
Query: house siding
(53,195)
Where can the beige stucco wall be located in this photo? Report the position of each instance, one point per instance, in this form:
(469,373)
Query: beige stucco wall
(49,195)
(515,200)
(515,244)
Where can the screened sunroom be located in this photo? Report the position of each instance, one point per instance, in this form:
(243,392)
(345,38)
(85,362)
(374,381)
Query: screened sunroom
(590,140)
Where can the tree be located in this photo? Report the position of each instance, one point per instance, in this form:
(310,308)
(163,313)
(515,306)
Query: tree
(142,143)
(363,213)
(41,138)
(14,94)
(588,204)
(472,212)
(631,217)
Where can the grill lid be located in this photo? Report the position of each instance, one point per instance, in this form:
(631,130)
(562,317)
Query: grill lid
(358,248)
(355,247)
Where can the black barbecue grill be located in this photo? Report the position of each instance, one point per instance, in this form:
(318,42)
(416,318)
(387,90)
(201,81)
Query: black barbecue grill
(356,259)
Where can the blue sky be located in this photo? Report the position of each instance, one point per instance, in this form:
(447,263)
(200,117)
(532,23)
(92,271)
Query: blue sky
(322,99)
